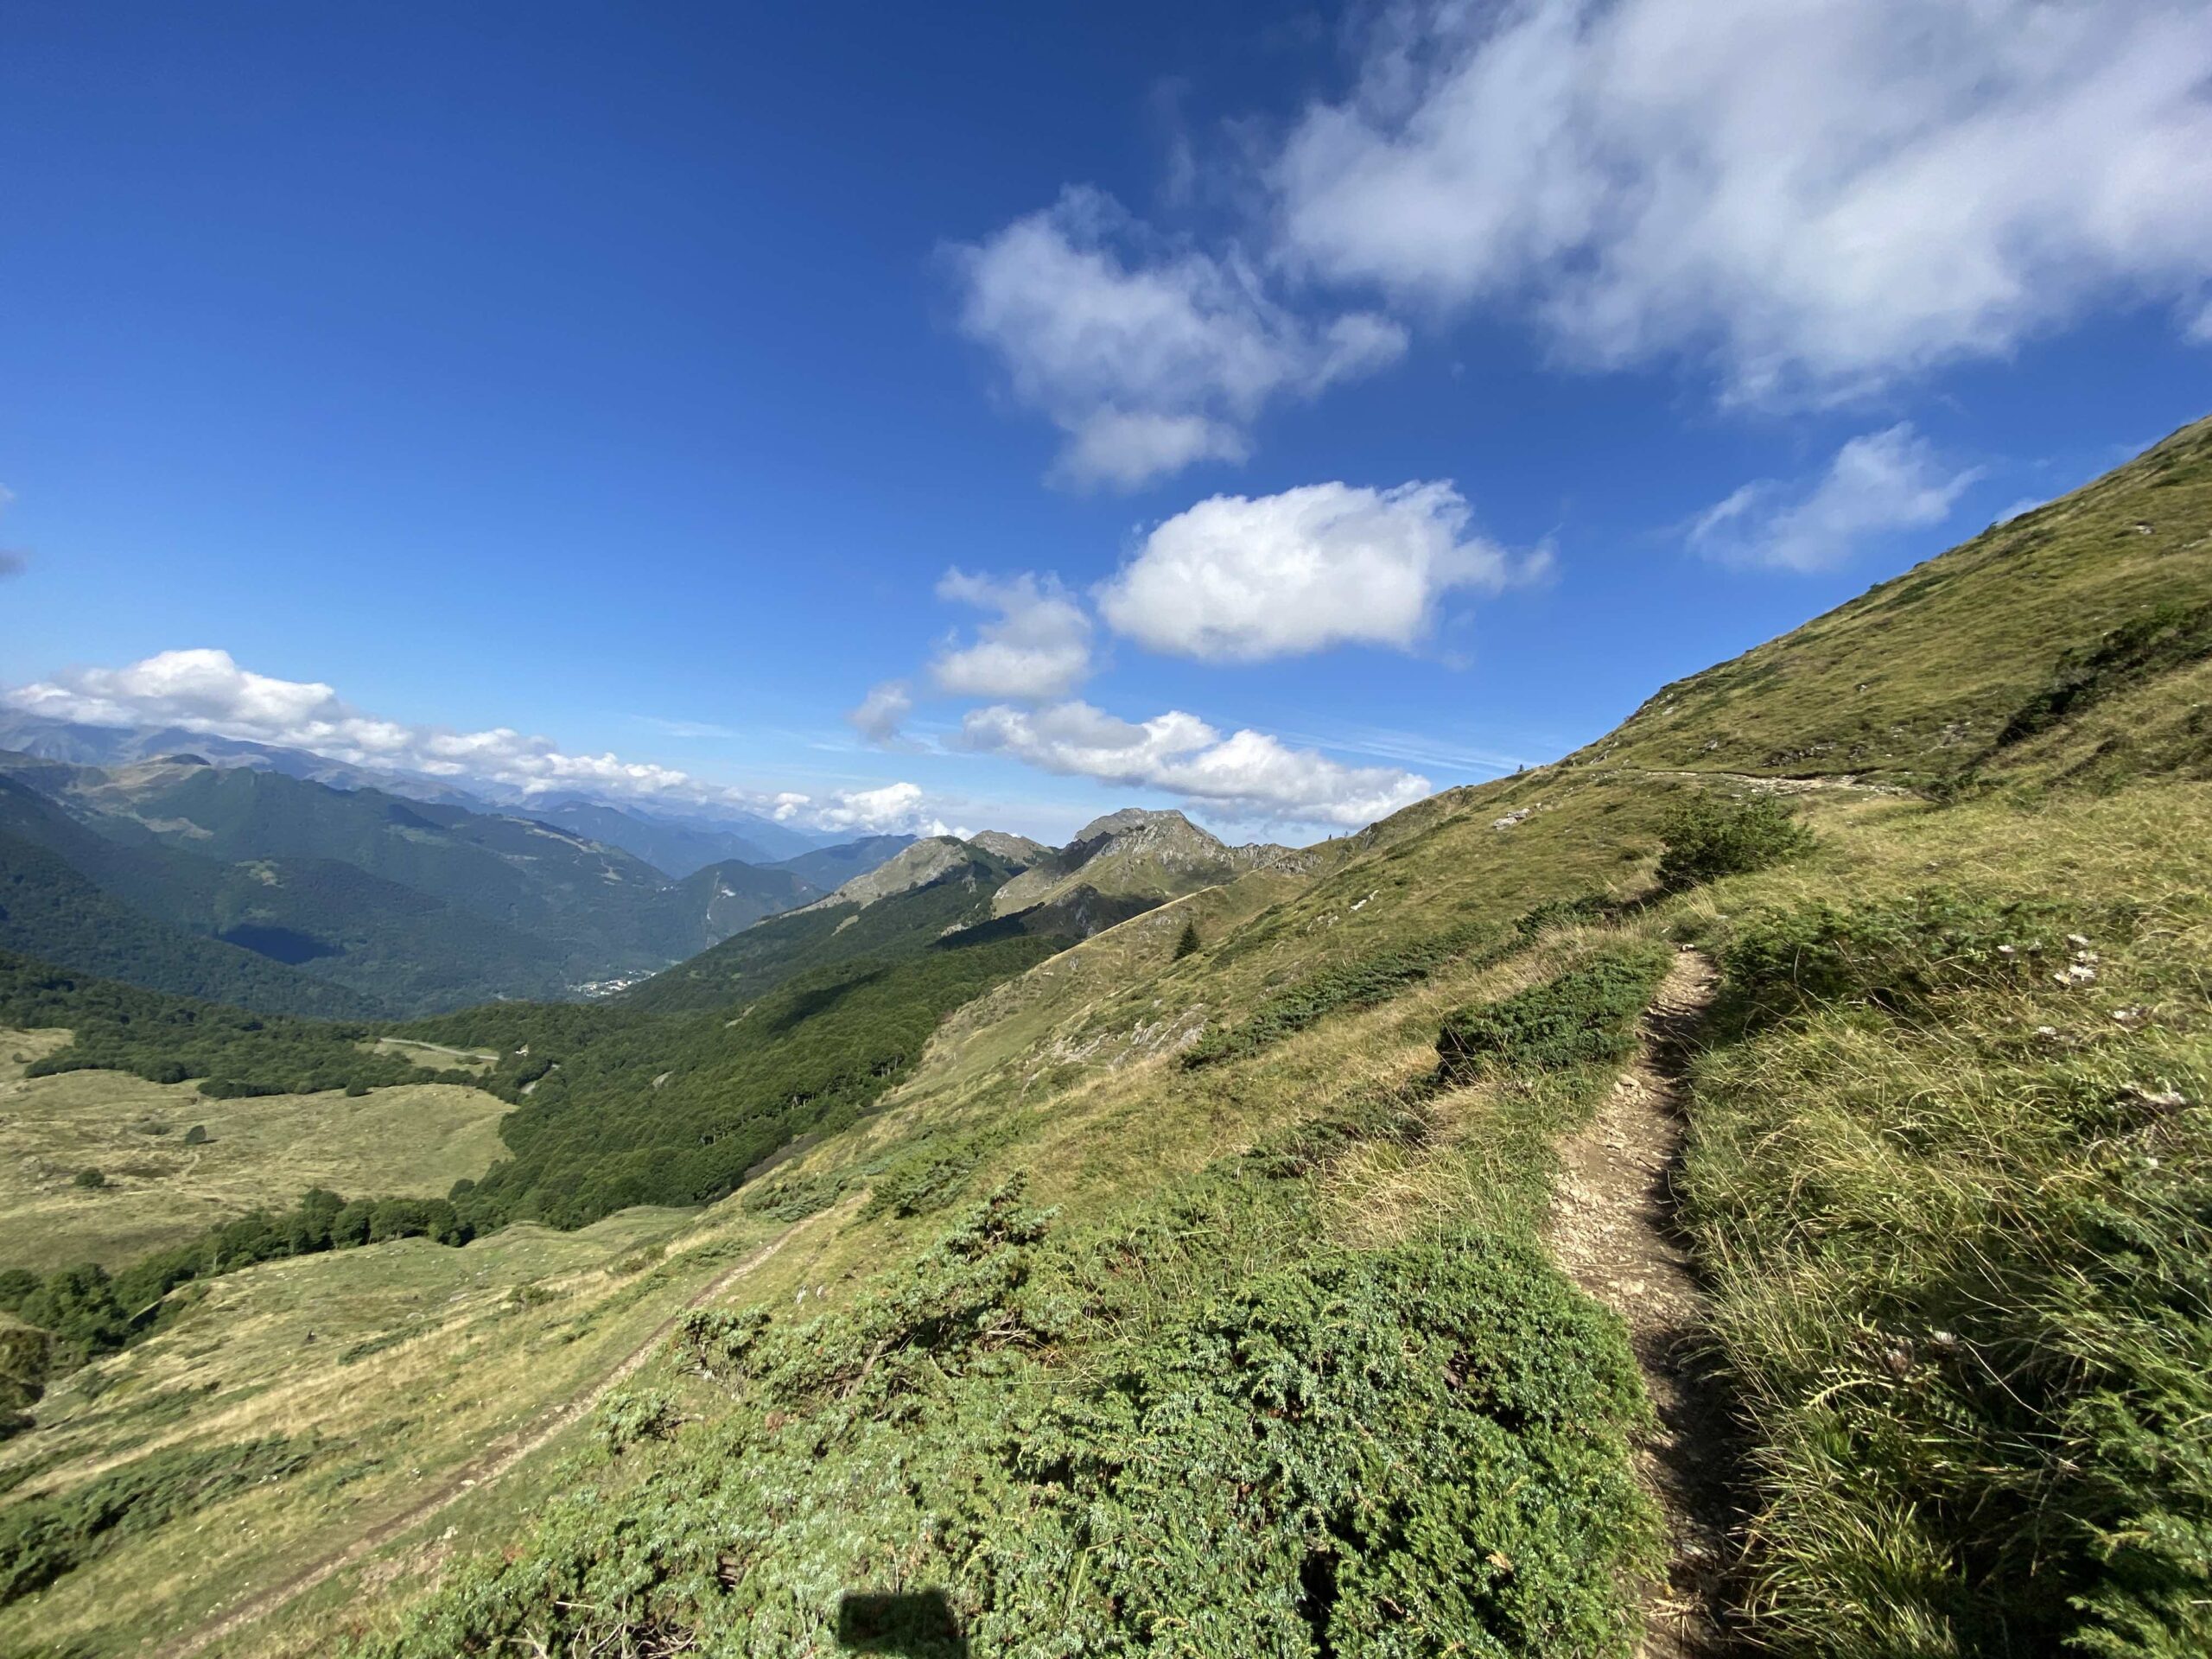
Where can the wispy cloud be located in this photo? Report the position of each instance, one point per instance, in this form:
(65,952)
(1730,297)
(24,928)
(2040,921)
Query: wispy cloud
(1411,748)
(1826,195)
(1883,481)
(13,560)
(687,728)
(881,714)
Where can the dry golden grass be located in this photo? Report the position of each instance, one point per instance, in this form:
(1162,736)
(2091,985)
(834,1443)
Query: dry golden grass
(411,1142)
(405,1360)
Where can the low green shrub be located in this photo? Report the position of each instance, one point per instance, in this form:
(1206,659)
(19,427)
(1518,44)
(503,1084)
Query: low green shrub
(1144,1443)
(630,1416)
(792,1198)
(929,1176)
(1709,836)
(43,1538)
(1586,1016)
(1362,982)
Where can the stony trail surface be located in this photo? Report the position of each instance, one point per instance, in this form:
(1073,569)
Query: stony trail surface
(1613,1230)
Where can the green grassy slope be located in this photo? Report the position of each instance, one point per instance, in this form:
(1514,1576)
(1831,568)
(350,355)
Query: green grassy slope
(1200,1301)
(764,956)
(1926,676)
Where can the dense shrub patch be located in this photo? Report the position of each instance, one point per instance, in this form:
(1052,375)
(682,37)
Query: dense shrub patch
(167,1039)
(1586,1014)
(1709,836)
(1412,1450)
(2166,636)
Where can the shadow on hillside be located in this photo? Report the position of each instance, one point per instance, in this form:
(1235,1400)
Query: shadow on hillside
(917,1623)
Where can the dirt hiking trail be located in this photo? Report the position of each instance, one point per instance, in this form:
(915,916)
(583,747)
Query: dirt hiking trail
(490,1465)
(1612,1229)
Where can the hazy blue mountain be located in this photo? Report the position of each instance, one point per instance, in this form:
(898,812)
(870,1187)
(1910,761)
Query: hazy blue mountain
(121,746)
(731,896)
(677,849)
(829,868)
(49,911)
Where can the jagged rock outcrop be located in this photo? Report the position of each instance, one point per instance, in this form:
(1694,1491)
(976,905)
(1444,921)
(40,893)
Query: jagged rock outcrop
(916,866)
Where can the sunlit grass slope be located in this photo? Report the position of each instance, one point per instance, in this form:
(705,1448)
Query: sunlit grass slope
(1198,1301)
(413,1140)
(1937,672)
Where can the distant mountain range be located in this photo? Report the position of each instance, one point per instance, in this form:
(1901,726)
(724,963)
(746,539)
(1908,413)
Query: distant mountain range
(668,829)
(287,882)
(252,883)
(944,890)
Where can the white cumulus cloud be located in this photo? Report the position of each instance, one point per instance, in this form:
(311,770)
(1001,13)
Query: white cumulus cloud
(208,691)
(1883,481)
(1148,357)
(1826,195)
(1038,647)
(1242,579)
(1247,775)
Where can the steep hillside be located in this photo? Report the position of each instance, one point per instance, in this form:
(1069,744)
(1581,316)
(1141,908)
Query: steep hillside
(1018,850)
(49,911)
(731,896)
(915,866)
(1224,1282)
(416,907)
(1956,667)
(903,921)
(397,949)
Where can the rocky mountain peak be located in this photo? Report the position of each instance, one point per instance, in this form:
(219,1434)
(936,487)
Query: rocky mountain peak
(1131,819)
(1018,850)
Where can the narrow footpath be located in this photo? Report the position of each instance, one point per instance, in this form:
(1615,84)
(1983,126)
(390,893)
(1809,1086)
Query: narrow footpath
(1613,1230)
(495,1461)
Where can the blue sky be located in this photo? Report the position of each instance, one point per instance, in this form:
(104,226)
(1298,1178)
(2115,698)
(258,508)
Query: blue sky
(1317,411)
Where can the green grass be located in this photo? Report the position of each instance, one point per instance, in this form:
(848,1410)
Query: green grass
(395,1364)
(1958,1216)
(43,1538)
(1141,1436)
(1919,679)
(412,1140)
(1361,983)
